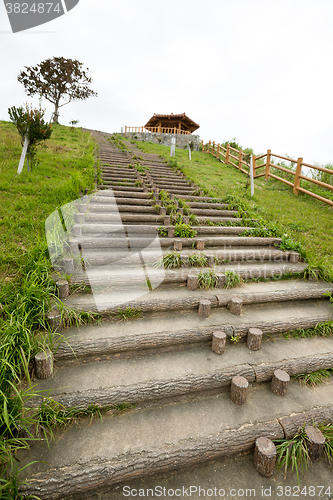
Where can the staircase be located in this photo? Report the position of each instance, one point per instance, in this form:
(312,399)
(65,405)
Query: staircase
(168,392)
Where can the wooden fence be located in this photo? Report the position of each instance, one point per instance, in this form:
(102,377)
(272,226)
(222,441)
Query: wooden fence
(157,130)
(228,156)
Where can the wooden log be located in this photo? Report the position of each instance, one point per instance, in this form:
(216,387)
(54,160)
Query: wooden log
(177,245)
(280,382)
(185,261)
(180,211)
(294,257)
(264,456)
(210,260)
(44,364)
(219,340)
(254,338)
(76,231)
(204,308)
(69,265)
(235,306)
(291,424)
(192,282)
(221,280)
(316,442)
(145,190)
(54,320)
(162,211)
(166,220)
(200,244)
(171,232)
(186,219)
(62,288)
(238,389)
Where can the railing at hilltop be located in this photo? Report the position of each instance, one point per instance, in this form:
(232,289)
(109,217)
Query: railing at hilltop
(156,130)
(226,155)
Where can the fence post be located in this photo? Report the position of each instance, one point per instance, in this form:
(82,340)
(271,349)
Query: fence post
(268,164)
(297,175)
(213,147)
(218,151)
(125,129)
(209,148)
(254,165)
(227,155)
(240,159)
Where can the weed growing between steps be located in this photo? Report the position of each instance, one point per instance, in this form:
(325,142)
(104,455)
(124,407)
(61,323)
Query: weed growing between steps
(314,378)
(207,279)
(128,314)
(293,453)
(321,330)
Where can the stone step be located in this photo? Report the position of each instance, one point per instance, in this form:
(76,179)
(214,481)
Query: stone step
(167,331)
(182,299)
(134,444)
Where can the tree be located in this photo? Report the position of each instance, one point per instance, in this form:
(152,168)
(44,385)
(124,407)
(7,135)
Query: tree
(29,123)
(56,79)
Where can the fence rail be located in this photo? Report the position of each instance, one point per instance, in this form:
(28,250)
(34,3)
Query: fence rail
(157,130)
(225,155)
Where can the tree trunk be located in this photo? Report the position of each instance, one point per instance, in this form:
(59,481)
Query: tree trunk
(56,113)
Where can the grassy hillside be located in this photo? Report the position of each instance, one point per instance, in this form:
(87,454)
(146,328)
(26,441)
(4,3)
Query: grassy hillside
(65,166)
(302,218)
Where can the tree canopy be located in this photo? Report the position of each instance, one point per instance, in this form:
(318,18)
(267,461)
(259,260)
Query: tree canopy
(57,79)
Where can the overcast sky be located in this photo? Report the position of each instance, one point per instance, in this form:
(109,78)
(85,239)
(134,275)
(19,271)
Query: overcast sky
(257,70)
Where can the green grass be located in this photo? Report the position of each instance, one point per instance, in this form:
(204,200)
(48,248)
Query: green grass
(314,378)
(207,279)
(302,219)
(128,314)
(65,168)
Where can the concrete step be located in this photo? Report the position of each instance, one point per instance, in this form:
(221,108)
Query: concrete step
(182,299)
(105,191)
(110,200)
(135,444)
(118,207)
(180,373)
(167,331)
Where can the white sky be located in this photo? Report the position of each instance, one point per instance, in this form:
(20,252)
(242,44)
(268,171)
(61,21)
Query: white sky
(257,70)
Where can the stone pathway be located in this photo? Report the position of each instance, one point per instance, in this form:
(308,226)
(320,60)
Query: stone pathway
(162,362)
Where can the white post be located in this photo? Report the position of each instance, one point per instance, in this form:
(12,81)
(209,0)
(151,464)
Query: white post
(24,152)
(251,176)
(189,153)
(173,147)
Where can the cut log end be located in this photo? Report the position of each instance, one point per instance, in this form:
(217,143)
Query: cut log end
(204,308)
(177,245)
(316,442)
(238,389)
(219,340)
(254,338)
(235,306)
(200,244)
(264,456)
(280,382)
(192,282)
(44,364)
(63,289)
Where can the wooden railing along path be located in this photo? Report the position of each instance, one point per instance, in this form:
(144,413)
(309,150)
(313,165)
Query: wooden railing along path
(156,130)
(228,156)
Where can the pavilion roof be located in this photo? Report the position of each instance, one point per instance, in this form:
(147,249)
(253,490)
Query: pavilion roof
(169,120)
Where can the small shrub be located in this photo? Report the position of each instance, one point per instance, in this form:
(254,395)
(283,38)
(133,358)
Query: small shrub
(184,231)
(163,231)
(169,261)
